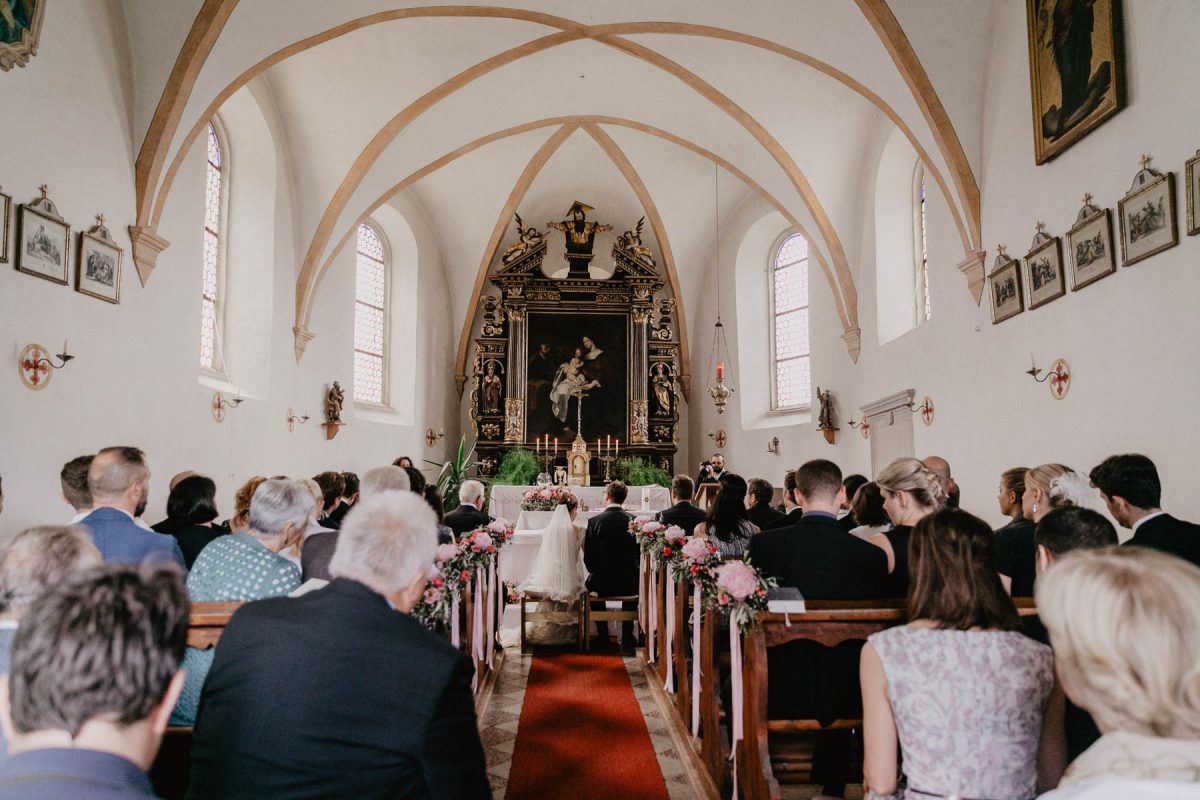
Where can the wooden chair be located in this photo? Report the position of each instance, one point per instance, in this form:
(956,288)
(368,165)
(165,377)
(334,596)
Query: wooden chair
(578,616)
(606,614)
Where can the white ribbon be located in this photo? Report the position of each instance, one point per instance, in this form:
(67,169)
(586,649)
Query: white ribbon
(652,628)
(477,628)
(735,661)
(669,589)
(697,616)
(455,637)
(645,569)
(491,613)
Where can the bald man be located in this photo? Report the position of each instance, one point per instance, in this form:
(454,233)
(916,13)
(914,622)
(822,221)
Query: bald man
(941,467)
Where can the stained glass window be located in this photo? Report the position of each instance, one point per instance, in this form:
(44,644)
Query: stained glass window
(209,303)
(924,265)
(790,339)
(370,318)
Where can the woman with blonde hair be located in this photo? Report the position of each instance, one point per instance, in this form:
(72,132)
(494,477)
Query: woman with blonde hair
(1052,486)
(911,491)
(1125,627)
(240,521)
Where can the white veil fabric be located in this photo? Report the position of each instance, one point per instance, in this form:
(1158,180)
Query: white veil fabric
(558,572)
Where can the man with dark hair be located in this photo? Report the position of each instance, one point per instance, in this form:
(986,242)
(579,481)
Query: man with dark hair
(1058,533)
(820,559)
(711,470)
(416,480)
(852,483)
(94,676)
(74,480)
(345,502)
(759,493)
(332,485)
(683,512)
(611,555)
(790,503)
(119,481)
(1130,486)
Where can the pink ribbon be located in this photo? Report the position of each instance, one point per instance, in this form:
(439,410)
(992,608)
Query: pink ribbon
(645,568)
(491,616)
(697,616)
(735,661)
(477,628)
(455,637)
(669,589)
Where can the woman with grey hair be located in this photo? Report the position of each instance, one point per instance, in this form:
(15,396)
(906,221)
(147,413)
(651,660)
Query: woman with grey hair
(246,566)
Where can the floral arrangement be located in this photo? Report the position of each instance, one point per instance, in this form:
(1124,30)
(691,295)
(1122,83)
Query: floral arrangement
(544,498)
(648,534)
(742,591)
(661,542)
(513,593)
(501,531)
(453,567)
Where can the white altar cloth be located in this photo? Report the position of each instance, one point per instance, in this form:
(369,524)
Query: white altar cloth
(506,500)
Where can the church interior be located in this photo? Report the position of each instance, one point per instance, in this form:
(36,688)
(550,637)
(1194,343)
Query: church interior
(539,250)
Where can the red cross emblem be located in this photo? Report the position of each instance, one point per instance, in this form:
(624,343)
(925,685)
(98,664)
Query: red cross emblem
(35,367)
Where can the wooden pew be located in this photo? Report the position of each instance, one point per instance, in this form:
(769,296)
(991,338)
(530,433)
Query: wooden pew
(683,643)
(207,623)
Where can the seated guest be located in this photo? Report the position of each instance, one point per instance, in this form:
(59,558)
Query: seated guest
(434,498)
(682,512)
(1015,548)
(95,672)
(33,562)
(416,480)
(469,515)
(790,505)
(1060,532)
(910,492)
(318,549)
(758,495)
(941,467)
(867,510)
(612,557)
(240,521)
(119,482)
(1130,487)
(959,689)
(1125,626)
(1052,486)
(332,486)
(726,523)
(349,498)
(73,479)
(818,558)
(341,692)
(245,566)
(852,484)
(403,462)
(191,509)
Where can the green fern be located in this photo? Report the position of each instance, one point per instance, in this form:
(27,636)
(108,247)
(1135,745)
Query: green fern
(518,468)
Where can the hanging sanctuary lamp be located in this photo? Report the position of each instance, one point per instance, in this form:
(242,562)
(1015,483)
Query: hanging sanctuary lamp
(719,353)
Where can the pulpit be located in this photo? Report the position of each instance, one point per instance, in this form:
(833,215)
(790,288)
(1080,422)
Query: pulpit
(705,495)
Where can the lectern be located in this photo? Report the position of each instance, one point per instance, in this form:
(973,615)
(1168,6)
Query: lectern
(705,495)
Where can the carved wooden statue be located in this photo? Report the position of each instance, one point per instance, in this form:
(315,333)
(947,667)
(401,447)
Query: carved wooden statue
(334,399)
(581,237)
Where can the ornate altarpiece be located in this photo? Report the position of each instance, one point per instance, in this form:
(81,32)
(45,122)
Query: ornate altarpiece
(645,419)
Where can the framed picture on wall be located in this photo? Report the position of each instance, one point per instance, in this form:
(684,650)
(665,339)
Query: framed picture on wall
(1044,274)
(1090,245)
(1076,70)
(5,226)
(98,265)
(1192,176)
(1005,283)
(1148,219)
(43,244)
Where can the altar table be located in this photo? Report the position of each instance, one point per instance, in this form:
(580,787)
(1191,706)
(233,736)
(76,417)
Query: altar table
(506,500)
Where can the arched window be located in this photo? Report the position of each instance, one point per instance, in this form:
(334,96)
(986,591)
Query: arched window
(211,305)
(791,373)
(922,256)
(370,319)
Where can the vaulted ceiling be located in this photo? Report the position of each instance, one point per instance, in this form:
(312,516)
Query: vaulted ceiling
(476,111)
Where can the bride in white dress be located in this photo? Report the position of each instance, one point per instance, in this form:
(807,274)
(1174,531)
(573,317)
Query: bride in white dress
(558,574)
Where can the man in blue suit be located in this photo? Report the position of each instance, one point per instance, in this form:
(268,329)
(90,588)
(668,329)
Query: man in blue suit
(119,481)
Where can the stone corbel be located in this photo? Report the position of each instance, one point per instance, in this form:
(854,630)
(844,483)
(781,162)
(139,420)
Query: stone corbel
(853,340)
(302,337)
(147,244)
(972,268)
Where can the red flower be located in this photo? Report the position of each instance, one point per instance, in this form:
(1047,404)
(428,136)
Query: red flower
(492,549)
(666,551)
(723,599)
(466,575)
(695,570)
(438,581)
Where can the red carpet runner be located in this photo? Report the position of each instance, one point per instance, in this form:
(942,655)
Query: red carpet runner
(581,733)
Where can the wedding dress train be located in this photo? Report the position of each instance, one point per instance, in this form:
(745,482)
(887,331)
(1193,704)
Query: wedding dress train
(557,578)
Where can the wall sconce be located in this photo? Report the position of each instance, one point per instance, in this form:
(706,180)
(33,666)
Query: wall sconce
(719,438)
(36,367)
(1059,376)
(773,445)
(432,436)
(219,404)
(292,419)
(863,427)
(925,410)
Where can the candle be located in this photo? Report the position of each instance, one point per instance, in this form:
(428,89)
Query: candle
(555,446)
(65,350)
(537,447)
(618,451)
(608,442)
(720,371)
(1031,364)
(599,452)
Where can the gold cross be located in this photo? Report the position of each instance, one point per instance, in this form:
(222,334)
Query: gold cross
(45,190)
(1041,228)
(1145,162)
(100,220)
(1087,199)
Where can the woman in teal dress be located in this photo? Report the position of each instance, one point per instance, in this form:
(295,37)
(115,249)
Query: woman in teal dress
(243,567)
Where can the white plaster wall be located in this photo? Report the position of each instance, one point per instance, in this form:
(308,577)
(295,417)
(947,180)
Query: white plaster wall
(134,380)
(1128,337)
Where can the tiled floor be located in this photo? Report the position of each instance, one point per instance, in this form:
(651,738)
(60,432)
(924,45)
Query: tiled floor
(678,786)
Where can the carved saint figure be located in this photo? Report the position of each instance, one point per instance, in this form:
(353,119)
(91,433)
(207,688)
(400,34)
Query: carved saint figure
(825,418)
(530,237)
(581,237)
(333,403)
(491,390)
(662,388)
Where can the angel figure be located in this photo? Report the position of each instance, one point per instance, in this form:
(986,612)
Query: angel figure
(530,237)
(631,242)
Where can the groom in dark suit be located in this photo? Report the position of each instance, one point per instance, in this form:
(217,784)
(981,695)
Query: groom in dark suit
(611,556)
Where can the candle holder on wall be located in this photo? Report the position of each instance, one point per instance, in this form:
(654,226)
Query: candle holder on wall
(1059,376)
(36,367)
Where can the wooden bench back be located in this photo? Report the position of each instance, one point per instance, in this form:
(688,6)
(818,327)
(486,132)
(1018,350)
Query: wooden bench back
(207,623)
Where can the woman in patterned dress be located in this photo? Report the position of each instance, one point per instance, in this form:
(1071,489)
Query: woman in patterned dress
(246,566)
